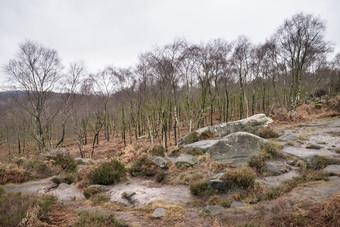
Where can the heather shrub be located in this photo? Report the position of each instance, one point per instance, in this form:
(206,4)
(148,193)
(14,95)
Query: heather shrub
(108,173)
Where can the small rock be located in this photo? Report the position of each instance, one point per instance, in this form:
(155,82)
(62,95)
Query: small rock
(213,210)
(186,160)
(292,163)
(332,169)
(220,185)
(158,213)
(161,162)
(128,195)
(276,167)
(292,113)
(337,150)
(143,137)
(237,204)
(313,146)
(288,136)
(320,142)
(53,185)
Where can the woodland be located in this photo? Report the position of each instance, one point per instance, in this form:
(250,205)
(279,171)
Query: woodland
(174,88)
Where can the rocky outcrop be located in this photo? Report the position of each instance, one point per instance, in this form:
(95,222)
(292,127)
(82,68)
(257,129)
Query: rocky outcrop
(310,156)
(200,146)
(237,148)
(251,124)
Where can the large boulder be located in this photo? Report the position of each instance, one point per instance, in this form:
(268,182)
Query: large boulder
(55,152)
(237,148)
(251,124)
(161,162)
(199,146)
(332,169)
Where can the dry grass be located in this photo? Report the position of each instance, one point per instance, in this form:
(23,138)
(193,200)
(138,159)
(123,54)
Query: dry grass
(308,112)
(13,176)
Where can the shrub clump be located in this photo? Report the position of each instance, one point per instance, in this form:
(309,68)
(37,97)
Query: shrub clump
(218,200)
(205,135)
(243,177)
(160,177)
(13,207)
(267,133)
(66,162)
(268,152)
(321,162)
(307,176)
(88,219)
(13,176)
(192,138)
(201,188)
(99,199)
(143,167)
(89,192)
(68,179)
(108,173)
(158,150)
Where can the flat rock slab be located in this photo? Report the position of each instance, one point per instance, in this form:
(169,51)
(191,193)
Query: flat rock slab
(237,204)
(213,210)
(332,169)
(277,180)
(308,154)
(67,192)
(146,193)
(39,186)
(64,192)
(198,146)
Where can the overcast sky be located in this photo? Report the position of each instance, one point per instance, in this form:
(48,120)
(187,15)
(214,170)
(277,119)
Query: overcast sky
(115,32)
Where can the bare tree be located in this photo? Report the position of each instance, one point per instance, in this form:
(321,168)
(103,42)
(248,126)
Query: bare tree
(241,60)
(70,88)
(300,40)
(35,71)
